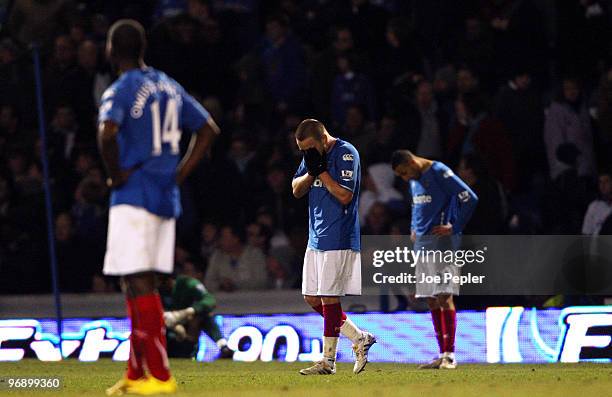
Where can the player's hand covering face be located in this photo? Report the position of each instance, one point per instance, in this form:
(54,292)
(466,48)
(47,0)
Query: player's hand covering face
(316,163)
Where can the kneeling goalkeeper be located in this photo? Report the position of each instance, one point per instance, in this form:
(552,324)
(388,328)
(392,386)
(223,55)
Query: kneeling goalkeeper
(188,310)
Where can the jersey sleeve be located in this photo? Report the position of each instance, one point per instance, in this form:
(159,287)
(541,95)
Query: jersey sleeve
(113,106)
(301,170)
(347,164)
(413,212)
(193,115)
(452,185)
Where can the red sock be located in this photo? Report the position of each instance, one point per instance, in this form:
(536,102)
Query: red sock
(319,309)
(450,325)
(151,324)
(135,369)
(332,319)
(438,322)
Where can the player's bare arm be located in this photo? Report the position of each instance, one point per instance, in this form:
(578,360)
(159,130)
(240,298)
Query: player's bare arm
(301,185)
(198,147)
(342,194)
(442,230)
(109,148)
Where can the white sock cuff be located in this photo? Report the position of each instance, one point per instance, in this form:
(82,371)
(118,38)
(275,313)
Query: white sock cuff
(330,347)
(351,331)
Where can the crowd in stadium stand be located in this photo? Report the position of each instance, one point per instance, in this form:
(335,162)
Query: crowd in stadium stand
(515,95)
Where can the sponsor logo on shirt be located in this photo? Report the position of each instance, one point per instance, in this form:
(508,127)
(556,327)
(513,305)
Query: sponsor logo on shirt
(346,175)
(317,183)
(421,199)
(347,157)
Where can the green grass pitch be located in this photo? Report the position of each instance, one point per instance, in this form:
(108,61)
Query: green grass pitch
(223,378)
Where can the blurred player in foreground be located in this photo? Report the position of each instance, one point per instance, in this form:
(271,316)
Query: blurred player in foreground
(141,119)
(330,174)
(442,204)
(189,310)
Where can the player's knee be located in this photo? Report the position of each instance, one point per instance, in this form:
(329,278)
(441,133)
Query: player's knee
(140,284)
(313,301)
(330,300)
(445,301)
(433,303)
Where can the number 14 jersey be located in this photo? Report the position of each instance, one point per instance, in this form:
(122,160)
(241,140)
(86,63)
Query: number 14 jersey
(152,111)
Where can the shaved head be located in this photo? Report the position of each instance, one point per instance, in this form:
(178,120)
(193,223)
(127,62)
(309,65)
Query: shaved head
(310,128)
(126,40)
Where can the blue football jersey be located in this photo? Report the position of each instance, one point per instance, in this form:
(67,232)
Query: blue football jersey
(439,197)
(333,226)
(152,110)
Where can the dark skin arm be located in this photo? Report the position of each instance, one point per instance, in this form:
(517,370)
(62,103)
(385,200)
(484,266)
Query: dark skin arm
(198,147)
(109,149)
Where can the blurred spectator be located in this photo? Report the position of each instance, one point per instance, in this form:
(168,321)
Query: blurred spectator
(518,106)
(266,218)
(569,195)
(584,36)
(60,72)
(89,214)
(64,133)
(39,20)
(74,261)
(235,265)
(474,45)
(378,221)
(386,139)
(9,129)
(377,187)
(490,215)
(429,127)
(13,74)
(208,241)
(400,56)
(357,129)
(350,88)
(518,34)
(467,81)
(599,210)
(603,115)
(359,13)
(567,121)
(478,133)
(282,60)
(91,81)
(325,69)
(279,199)
(444,86)
(278,259)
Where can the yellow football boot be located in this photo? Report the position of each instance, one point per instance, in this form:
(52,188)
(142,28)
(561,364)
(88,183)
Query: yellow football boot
(120,388)
(153,386)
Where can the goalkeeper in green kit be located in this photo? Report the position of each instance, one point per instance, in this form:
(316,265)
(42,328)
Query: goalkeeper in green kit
(188,310)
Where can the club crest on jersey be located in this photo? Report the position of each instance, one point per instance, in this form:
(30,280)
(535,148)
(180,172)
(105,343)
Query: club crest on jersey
(347,157)
(346,175)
